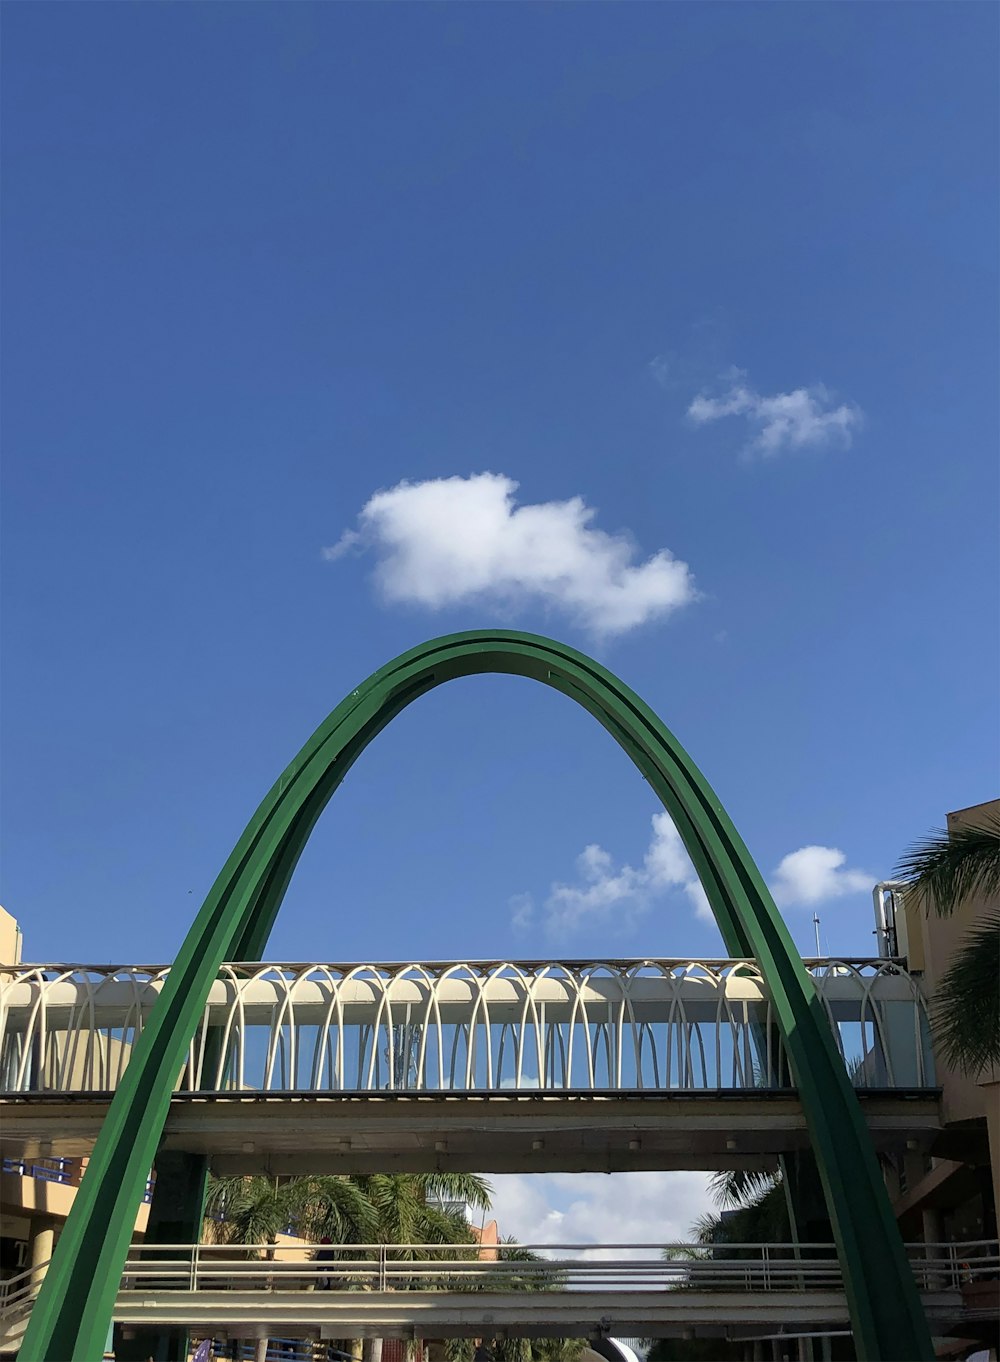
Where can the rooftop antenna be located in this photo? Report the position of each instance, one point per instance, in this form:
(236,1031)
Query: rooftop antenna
(816,929)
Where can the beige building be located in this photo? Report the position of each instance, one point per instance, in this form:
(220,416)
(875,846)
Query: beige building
(10,940)
(951,1193)
(36,1195)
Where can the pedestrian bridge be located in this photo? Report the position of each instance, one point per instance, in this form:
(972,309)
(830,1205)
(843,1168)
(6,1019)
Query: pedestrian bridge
(620,1025)
(501,1066)
(546,1290)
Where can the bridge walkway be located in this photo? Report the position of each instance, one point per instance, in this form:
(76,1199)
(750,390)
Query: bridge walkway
(434,1291)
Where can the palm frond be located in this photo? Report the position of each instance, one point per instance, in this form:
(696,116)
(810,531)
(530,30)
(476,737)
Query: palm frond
(510,1251)
(965,1015)
(688,1253)
(443,1227)
(224,1194)
(469,1187)
(253,1210)
(706,1228)
(337,1208)
(511,1349)
(946,867)
(557,1349)
(738,1187)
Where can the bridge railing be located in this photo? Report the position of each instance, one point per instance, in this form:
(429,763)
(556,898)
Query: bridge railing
(649,1024)
(745,1268)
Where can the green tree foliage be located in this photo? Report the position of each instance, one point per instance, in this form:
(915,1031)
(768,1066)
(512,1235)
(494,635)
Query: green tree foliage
(943,869)
(753,1209)
(380,1208)
(965,1014)
(255,1210)
(946,867)
(406,1209)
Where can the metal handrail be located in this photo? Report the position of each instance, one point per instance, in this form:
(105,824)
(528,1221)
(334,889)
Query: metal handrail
(638,1267)
(20,1290)
(811,962)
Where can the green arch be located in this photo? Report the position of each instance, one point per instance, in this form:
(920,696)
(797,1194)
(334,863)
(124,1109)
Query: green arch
(72,1314)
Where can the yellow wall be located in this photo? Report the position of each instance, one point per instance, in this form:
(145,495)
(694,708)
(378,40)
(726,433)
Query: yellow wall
(10,939)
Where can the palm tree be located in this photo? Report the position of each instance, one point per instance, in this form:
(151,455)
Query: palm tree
(557,1349)
(406,1209)
(753,1210)
(255,1210)
(379,1208)
(944,869)
(406,1214)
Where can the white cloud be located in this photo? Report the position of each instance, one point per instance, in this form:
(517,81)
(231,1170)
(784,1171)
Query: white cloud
(702,908)
(662,367)
(814,874)
(806,418)
(452,541)
(522,911)
(605,893)
(582,1208)
(610,895)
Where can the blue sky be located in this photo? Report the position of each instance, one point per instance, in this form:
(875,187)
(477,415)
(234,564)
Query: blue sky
(716,281)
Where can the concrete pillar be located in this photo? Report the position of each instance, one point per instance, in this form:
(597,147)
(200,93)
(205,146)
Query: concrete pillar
(175,1217)
(41,1243)
(914,1166)
(933,1233)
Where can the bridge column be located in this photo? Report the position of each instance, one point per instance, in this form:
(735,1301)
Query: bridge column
(175,1217)
(933,1233)
(41,1244)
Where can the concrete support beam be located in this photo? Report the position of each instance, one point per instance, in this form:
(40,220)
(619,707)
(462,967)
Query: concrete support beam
(496,1132)
(443,1314)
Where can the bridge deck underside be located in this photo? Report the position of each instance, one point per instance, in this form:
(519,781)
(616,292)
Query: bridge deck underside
(649,1314)
(567,1131)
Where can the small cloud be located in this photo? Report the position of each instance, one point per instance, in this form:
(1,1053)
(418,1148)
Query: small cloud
(606,893)
(662,367)
(815,874)
(695,891)
(806,418)
(454,541)
(349,540)
(522,912)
